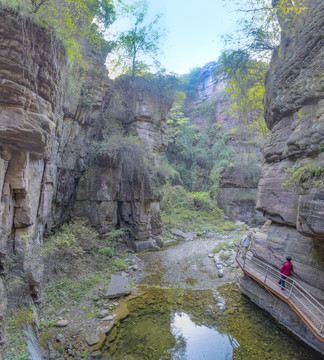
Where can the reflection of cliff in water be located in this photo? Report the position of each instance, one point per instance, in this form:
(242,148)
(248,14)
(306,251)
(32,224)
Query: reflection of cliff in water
(199,341)
(178,324)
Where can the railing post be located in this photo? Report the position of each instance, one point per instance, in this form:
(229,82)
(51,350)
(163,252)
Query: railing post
(322,327)
(292,287)
(265,278)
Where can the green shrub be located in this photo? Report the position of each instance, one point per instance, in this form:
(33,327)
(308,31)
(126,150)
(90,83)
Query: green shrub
(106,251)
(220,246)
(308,175)
(63,243)
(73,239)
(189,211)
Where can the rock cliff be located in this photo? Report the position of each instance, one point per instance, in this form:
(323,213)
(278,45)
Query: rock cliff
(290,192)
(50,166)
(238,183)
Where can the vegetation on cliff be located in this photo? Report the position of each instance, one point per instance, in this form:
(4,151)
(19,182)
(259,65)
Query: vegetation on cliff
(137,47)
(246,61)
(72,22)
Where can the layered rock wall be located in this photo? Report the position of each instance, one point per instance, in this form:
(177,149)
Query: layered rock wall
(49,172)
(290,191)
(238,183)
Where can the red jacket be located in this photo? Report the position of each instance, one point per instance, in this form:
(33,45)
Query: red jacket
(286,268)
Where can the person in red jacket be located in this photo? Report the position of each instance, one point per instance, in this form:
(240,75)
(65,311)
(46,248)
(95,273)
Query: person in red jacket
(285,271)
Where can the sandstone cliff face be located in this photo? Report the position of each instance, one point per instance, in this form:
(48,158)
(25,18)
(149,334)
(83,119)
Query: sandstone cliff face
(238,184)
(294,113)
(48,172)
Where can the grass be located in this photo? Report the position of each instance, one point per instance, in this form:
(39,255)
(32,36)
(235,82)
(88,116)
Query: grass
(17,344)
(220,246)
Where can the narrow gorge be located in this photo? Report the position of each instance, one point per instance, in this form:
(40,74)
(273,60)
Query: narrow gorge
(81,148)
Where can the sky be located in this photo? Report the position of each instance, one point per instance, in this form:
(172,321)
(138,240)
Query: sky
(193,31)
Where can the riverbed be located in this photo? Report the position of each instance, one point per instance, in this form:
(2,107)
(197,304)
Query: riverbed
(182,310)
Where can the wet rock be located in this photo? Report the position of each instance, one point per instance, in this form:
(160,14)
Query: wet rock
(92,339)
(106,329)
(62,323)
(102,338)
(119,286)
(102,314)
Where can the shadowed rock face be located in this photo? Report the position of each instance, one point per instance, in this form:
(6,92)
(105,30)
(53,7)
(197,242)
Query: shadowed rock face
(48,174)
(294,108)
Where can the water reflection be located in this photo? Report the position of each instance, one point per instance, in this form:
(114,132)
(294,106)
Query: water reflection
(177,324)
(200,342)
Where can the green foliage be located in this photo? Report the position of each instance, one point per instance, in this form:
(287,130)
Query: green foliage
(245,85)
(70,291)
(106,251)
(140,41)
(259,28)
(118,264)
(16,338)
(207,109)
(63,244)
(189,83)
(72,21)
(307,176)
(220,246)
(70,240)
(188,211)
(258,35)
(118,234)
(198,156)
(46,324)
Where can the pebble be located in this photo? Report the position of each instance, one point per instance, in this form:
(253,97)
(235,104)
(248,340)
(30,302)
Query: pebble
(62,323)
(92,339)
(61,312)
(60,338)
(210,255)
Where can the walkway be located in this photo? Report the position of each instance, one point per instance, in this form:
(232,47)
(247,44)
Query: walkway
(302,302)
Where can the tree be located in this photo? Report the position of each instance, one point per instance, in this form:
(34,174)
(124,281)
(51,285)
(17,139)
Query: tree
(139,41)
(71,20)
(246,63)
(245,79)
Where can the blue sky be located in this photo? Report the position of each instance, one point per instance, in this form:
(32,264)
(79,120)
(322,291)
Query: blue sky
(193,31)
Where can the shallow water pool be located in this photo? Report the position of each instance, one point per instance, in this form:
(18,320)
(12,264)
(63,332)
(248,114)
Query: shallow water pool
(178,324)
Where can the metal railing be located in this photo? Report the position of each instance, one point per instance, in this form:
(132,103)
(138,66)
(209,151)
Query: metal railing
(295,294)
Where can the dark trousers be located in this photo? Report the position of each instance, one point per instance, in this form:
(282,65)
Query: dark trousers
(282,282)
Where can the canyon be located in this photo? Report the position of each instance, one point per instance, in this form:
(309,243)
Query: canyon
(92,150)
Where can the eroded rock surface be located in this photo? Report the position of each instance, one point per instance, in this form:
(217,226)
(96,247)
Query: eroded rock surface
(293,200)
(49,171)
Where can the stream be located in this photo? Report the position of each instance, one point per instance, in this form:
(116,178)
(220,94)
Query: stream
(183,311)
